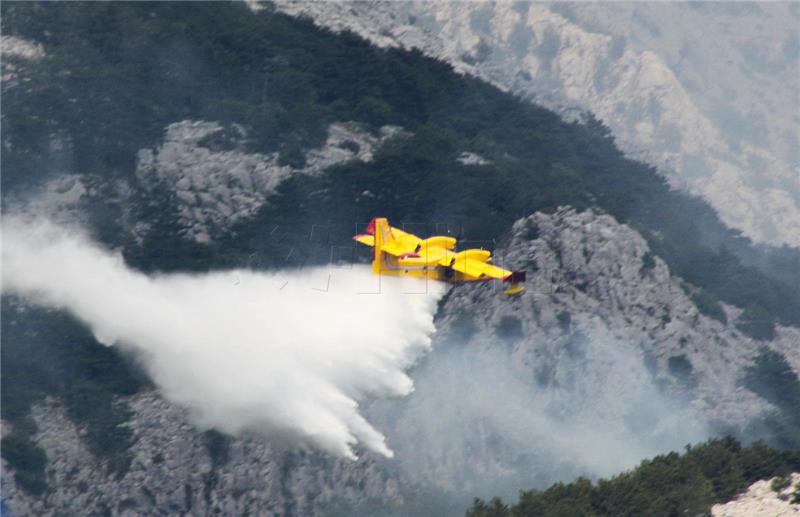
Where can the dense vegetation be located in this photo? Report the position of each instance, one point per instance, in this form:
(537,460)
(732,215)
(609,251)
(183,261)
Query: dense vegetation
(771,377)
(117,73)
(669,485)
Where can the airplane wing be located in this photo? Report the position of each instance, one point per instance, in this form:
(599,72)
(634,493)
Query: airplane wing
(398,249)
(406,240)
(479,269)
(428,256)
(474,263)
(396,242)
(420,256)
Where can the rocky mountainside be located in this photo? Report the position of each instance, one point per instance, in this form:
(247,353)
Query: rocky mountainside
(213,183)
(604,343)
(719,118)
(212,137)
(604,349)
(766,498)
(176,469)
(216,187)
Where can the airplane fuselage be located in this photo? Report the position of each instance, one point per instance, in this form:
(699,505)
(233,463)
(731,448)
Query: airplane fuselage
(398,253)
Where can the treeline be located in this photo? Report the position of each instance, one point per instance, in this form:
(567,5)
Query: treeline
(669,485)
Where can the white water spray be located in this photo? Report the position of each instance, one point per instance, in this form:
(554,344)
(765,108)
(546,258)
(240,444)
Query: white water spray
(287,354)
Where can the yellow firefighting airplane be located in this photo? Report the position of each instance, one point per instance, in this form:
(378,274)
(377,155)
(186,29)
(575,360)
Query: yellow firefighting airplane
(399,253)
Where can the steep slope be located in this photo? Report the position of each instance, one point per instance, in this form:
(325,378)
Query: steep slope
(603,360)
(713,116)
(177,469)
(605,348)
(212,137)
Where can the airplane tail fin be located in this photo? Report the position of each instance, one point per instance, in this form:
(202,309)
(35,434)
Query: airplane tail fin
(515,279)
(382,233)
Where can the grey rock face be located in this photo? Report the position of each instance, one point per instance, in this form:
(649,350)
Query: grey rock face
(467,158)
(706,92)
(173,472)
(602,361)
(216,188)
(16,52)
(213,188)
(761,500)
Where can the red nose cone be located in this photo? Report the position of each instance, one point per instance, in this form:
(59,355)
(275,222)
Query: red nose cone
(371,227)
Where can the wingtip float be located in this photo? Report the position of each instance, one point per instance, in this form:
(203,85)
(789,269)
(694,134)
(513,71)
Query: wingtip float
(399,253)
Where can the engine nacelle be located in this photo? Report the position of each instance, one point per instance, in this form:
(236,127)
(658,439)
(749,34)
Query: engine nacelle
(438,241)
(481,255)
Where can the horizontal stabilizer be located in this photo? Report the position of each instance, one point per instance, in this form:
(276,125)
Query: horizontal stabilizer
(369,240)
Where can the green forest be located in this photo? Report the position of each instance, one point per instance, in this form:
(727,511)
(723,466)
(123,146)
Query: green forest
(116,74)
(668,485)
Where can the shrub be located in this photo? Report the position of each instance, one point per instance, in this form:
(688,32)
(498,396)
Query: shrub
(757,323)
(509,327)
(779,483)
(564,320)
(648,263)
(707,304)
(772,377)
(680,367)
(27,460)
(463,327)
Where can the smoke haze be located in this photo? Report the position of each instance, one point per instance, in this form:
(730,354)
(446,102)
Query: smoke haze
(289,354)
(478,425)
